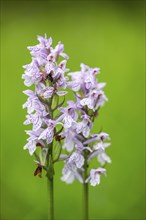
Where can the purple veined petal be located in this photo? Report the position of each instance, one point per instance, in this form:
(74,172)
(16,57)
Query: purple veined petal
(79,144)
(43,134)
(84,67)
(40,88)
(76,160)
(29,93)
(38,51)
(40,39)
(105,98)
(39,107)
(30,109)
(95,176)
(86,131)
(101,85)
(107,145)
(101,145)
(77,73)
(103,136)
(61,117)
(86,101)
(46,43)
(59,47)
(34,134)
(69,140)
(27,80)
(68,177)
(68,145)
(80,161)
(31,146)
(33,48)
(50,66)
(83,101)
(35,120)
(26,122)
(48,93)
(92,155)
(74,86)
(90,140)
(32,73)
(101,170)
(47,134)
(61,93)
(64,55)
(67,121)
(95,71)
(71,104)
(103,158)
(42,60)
(85,118)
(74,115)
(62,64)
(79,177)
(91,104)
(96,181)
(37,124)
(88,148)
(78,127)
(49,43)
(44,113)
(51,61)
(58,51)
(61,109)
(28,104)
(88,85)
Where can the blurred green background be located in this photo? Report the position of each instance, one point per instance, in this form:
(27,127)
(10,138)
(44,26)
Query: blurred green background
(106,34)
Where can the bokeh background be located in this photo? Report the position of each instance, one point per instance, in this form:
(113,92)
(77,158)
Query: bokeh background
(107,34)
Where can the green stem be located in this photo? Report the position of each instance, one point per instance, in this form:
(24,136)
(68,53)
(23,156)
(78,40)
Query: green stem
(50,179)
(85,193)
(50,173)
(85,201)
(51,199)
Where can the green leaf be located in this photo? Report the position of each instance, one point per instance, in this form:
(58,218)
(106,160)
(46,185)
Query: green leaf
(59,104)
(55,101)
(43,155)
(57,151)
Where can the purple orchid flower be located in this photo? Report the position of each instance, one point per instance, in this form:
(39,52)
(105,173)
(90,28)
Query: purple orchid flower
(94,177)
(33,140)
(84,126)
(69,115)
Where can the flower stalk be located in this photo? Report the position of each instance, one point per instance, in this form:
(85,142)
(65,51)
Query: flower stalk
(50,182)
(85,202)
(85,192)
